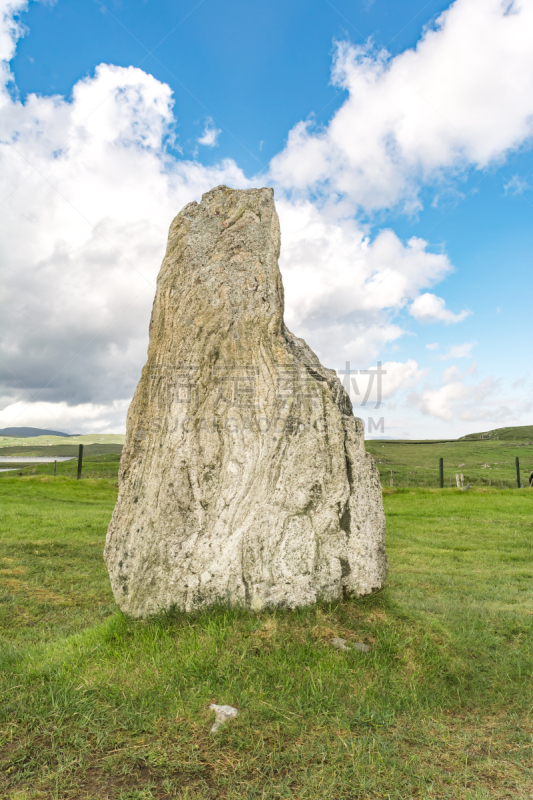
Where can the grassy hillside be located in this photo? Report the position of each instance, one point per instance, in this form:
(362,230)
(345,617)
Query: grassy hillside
(25,432)
(74,441)
(98,706)
(417,463)
(483,462)
(520,433)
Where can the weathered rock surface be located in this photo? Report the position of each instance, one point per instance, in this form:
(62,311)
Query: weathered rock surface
(244,478)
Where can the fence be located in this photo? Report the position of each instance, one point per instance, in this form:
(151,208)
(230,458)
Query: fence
(505,475)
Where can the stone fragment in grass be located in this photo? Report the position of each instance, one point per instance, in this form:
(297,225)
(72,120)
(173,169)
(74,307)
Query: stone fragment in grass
(222,715)
(340,643)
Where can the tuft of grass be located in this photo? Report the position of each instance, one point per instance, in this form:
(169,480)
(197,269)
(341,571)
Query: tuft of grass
(99,706)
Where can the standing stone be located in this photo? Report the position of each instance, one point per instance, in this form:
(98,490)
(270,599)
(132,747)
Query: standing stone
(244,479)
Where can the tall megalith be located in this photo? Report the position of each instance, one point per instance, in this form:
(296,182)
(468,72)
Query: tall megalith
(244,479)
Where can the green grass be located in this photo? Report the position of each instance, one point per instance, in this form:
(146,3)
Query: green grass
(98,706)
(52,579)
(51,451)
(40,441)
(521,433)
(417,464)
(487,462)
(95,465)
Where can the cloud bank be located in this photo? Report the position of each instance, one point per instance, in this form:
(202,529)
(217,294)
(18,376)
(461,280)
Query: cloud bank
(462,98)
(90,184)
(88,188)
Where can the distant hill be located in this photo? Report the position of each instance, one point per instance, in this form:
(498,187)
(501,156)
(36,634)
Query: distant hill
(520,433)
(68,443)
(25,433)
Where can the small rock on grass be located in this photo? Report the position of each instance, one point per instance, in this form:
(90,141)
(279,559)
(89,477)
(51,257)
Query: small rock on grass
(341,645)
(222,715)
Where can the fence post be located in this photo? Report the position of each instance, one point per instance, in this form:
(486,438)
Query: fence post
(80,460)
(441,472)
(55,468)
(391,478)
(517,464)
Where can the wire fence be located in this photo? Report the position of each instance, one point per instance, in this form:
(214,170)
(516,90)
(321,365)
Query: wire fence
(501,476)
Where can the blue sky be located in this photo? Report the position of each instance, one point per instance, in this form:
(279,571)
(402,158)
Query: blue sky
(397,141)
(256,68)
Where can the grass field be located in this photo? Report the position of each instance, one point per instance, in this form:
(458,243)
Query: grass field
(97,706)
(99,461)
(412,465)
(516,433)
(482,463)
(484,459)
(74,441)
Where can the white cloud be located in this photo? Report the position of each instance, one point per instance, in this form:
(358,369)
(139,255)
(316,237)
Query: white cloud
(432,346)
(82,238)
(396,376)
(83,235)
(470,406)
(430,308)
(343,288)
(210,135)
(453,373)
(458,351)
(516,185)
(449,375)
(82,418)
(11,29)
(463,97)
(400,376)
(457,400)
